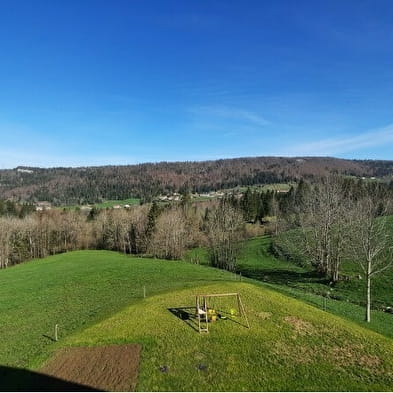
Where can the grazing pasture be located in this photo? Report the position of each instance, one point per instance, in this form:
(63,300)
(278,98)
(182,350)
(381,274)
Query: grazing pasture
(129,201)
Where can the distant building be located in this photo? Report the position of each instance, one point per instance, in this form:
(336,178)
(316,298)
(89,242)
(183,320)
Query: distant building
(43,205)
(21,170)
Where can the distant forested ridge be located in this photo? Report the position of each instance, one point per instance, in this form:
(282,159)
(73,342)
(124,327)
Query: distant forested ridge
(92,184)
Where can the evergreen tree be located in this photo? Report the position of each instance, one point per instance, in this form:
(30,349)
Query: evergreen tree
(151,219)
(185,199)
(94,212)
(267,202)
(26,209)
(10,208)
(249,205)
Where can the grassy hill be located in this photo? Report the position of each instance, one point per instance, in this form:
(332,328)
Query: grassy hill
(96,297)
(290,346)
(76,289)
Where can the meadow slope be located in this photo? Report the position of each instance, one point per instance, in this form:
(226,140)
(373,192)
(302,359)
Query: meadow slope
(96,297)
(346,298)
(77,289)
(290,346)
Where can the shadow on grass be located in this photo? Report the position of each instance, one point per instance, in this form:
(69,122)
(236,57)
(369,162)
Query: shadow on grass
(187,314)
(21,380)
(282,276)
(48,337)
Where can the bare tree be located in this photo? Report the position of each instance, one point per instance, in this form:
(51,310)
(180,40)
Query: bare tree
(320,218)
(5,241)
(371,241)
(169,237)
(224,231)
(137,234)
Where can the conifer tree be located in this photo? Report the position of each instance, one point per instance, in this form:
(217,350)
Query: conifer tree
(151,219)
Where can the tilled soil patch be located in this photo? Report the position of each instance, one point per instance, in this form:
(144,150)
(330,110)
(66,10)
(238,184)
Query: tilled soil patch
(108,368)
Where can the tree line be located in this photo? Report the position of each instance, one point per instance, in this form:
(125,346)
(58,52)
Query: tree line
(163,231)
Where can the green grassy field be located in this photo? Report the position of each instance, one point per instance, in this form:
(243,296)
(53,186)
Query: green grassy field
(75,290)
(290,346)
(256,262)
(260,188)
(267,187)
(129,201)
(81,291)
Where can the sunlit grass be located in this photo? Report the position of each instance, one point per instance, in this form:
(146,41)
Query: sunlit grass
(290,346)
(76,289)
(257,262)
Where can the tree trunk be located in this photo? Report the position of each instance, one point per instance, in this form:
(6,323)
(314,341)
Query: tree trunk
(368,306)
(335,275)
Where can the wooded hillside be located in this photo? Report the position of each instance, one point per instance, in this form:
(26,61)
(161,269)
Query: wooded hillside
(91,184)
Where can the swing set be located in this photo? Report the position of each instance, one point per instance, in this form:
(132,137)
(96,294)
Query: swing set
(207,312)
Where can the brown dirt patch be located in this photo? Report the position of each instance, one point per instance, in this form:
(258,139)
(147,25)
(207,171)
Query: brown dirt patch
(301,327)
(110,368)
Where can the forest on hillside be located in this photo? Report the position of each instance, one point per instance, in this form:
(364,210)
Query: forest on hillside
(67,186)
(310,224)
(320,223)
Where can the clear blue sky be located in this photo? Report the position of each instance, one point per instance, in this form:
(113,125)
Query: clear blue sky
(120,82)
